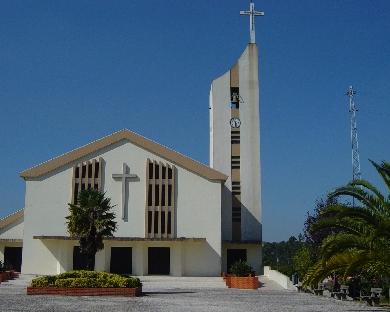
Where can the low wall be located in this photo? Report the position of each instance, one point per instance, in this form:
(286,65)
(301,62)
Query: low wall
(127,292)
(279,278)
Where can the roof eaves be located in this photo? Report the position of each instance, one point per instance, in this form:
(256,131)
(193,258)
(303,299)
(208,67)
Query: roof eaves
(11,218)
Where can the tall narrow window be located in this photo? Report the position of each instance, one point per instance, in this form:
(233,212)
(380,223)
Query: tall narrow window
(150,195)
(157,195)
(163,195)
(169,195)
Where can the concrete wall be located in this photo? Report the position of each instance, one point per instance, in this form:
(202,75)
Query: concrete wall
(198,209)
(253,252)
(250,145)
(13,230)
(186,258)
(279,278)
(220,148)
(220,144)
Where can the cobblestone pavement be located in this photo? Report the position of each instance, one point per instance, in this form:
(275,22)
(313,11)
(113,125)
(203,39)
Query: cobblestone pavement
(178,294)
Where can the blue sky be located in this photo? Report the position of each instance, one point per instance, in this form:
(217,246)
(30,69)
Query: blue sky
(74,71)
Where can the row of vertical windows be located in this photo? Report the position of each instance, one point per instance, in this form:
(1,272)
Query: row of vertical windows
(154,171)
(157,201)
(160,200)
(153,228)
(86,175)
(86,170)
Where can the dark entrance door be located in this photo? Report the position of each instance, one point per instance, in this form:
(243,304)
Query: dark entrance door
(13,258)
(79,260)
(235,255)
(159,260)
(121,260)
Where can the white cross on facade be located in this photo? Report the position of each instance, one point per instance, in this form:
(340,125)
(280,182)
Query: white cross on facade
(252,13)
(124,177)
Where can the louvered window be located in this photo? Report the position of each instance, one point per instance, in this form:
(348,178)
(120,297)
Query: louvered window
(160,200)
(86,175)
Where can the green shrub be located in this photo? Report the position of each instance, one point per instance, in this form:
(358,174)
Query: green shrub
(43,281)
(86,279)
(241,268)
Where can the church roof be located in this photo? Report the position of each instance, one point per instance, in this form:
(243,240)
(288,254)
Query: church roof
(11,218)
(136,139)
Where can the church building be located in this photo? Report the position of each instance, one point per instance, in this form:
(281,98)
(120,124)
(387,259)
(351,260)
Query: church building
(175,216)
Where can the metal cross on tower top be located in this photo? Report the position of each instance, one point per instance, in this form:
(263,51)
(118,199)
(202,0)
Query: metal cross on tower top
(252,13)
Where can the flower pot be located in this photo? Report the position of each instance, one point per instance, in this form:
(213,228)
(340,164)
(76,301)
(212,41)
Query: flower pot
(242,282)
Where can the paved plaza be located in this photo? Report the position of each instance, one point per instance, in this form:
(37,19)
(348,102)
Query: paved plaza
(178,294)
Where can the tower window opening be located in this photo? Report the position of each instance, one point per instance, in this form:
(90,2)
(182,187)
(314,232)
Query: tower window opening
(234,98)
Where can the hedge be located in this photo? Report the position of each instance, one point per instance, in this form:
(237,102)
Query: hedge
(86,279)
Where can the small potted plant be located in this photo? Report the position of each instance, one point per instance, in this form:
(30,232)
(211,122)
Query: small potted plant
(242,276)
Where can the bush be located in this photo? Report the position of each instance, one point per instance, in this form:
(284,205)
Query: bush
(86,279)
(43,281)
(241,268)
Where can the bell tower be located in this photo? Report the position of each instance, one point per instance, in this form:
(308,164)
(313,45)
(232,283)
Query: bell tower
(235,151)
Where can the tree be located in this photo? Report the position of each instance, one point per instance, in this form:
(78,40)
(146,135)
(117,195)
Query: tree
(279,255)
(302,261)
(91,220)
(315,238)
(362,243)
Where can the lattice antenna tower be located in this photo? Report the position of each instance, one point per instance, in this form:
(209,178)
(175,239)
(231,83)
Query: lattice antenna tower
(356,174)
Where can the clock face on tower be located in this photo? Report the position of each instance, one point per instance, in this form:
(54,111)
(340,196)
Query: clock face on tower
(235,122)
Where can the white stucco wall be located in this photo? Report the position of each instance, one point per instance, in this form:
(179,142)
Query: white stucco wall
(253,253)
(13,230)
(250,144)
(198,209)
(220,143)
(279,278)
(220,147)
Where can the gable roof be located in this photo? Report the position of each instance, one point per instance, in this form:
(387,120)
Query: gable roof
(136,139)
(11,218)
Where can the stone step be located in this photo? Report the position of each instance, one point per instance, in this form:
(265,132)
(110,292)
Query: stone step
(171,282)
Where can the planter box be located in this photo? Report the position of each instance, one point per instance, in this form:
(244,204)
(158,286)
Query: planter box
(14,274)
(247,282)
(127,292)
(5,276)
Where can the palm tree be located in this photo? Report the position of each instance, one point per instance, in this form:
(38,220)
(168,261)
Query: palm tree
(91,220)
(361,238)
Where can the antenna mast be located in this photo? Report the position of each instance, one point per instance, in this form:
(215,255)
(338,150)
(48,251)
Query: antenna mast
(356,174)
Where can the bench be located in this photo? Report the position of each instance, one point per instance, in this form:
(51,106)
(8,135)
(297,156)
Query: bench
(342,294)
(320,290)
(299,287)
(374,298)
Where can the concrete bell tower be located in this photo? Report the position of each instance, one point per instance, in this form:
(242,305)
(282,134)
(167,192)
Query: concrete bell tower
(235,151)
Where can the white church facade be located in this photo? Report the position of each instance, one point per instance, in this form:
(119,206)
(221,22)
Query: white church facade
(175,216)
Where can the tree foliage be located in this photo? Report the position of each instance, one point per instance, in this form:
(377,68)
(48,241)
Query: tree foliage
(91,220)
(279,255)
(303,260)
(361,240)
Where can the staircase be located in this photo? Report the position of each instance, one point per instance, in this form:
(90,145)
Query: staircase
(152,283)
(17,285)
